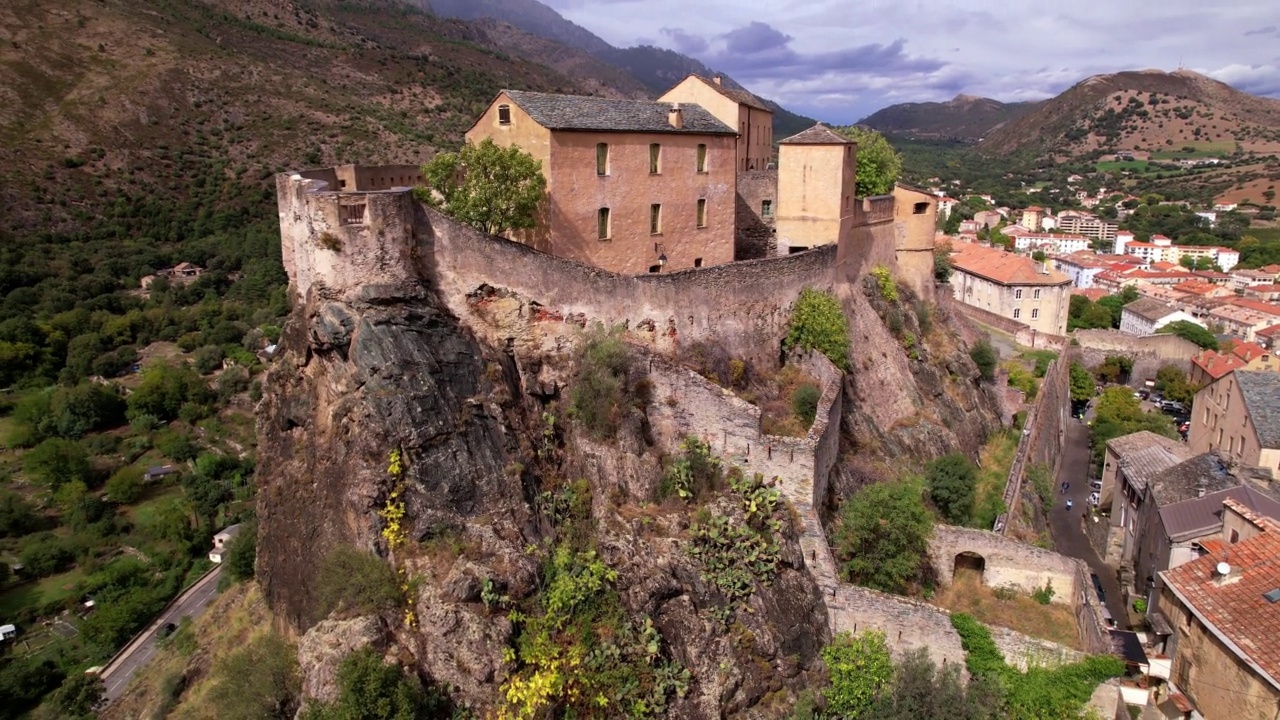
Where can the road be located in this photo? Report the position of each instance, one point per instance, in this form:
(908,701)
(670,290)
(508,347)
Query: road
(191,602)
(1067,525)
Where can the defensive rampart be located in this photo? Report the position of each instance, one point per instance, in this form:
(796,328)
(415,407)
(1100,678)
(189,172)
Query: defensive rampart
(1148,352)
(1022,334)
(1043,433)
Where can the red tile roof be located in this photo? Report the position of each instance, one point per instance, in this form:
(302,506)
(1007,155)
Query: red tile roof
(1247,351)
(1235,610)
(1004,267)
(1258,305)
(1216,365)
(1096,294)
(1273,331)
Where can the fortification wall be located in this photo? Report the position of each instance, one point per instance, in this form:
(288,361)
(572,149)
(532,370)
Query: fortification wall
(1044,433)
(1022,334)
(1148,352)
(1005,561)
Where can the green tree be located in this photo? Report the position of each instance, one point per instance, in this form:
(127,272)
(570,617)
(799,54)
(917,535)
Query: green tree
(165,389)
(1173,384)
(242,553)
(818,323)
(859,667)
(490,188)
(1115,369)
(44,555)
(1082,382)
(951,479)
(879,165)
(942,263)
(883,536)
(1191,332)
(984,356)
(920,690)
(74,700)
(1119,413)
(17,516)
(370,689)
(951,225)
(56,461)
(125,485)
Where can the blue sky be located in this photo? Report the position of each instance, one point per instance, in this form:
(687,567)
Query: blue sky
(840,61)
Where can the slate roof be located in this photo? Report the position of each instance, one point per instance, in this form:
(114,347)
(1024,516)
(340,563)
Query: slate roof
(739,96)
(579,112)
(1003,267)
(1150,309)
(1261,391)
(1198,516)
(1206,473)
(1144,455)
(817,135)
(1235,610)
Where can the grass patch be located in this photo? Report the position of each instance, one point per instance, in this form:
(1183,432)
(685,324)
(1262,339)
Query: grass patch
(1021,612)
(994,461)
(784,409)
(39,593)
(1264,234)
(1133,166)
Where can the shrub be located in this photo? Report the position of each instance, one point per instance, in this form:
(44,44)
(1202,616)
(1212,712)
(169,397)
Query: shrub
(56,461)
(883,536)
(207,359)
(261,679)
(885,283)
(691,473)
(951,480)
(818,323)
(45,554)
(242,553)
(859,666)
(352,582)
(601,388)
(1140,606)
(984,356)
(1044,595)
(125,485)
(804,403)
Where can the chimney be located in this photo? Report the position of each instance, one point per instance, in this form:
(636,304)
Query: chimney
(675,116)
(717,79)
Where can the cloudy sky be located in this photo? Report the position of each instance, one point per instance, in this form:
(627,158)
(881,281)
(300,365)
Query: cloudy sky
(840,61)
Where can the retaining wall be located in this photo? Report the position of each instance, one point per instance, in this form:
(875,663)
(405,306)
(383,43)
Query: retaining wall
(1005,561)
(1148,352)
(1043,434)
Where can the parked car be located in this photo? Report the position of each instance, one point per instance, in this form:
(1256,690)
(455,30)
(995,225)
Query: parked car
(1094,499)
(1096,484)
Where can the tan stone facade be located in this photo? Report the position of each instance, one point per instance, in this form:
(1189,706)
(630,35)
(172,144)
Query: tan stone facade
(626,219)
(1221,420)
(1038,300)
(916,215)
(737,109)
(816,203)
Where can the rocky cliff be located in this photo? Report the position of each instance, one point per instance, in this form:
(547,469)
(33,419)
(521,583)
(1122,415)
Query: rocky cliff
(456,354)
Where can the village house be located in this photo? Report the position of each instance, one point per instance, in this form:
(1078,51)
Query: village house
(222,541)
(1220,617)
(1180,508)
(1241,279)
(1030,217)
(986,219)
(1241,320)
(1081,267)
(1268,337)
(1145,316)
(1051,243)
(1011,286)
(1265,293)
(1073,221)
(632,186)
(1129,464)
(1238,415)
(738,109)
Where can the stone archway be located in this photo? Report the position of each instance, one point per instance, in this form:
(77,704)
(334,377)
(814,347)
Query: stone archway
(968,564)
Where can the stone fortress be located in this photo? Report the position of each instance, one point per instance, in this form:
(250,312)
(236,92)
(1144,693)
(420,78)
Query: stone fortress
(357,234)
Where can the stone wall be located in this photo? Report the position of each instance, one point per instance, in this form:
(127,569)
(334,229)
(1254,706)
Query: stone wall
(755,230)
(1022,334)
(1148,352)
(1043,434)
(1005,561)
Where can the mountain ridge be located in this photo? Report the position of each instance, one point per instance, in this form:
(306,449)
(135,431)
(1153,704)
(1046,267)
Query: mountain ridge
(964,117)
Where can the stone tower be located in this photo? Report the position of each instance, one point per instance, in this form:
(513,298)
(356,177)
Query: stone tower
(817,170)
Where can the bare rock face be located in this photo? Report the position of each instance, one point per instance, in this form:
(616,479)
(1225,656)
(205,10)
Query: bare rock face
(322,648)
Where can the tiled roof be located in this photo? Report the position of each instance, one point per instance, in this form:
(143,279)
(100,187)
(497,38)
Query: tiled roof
(579,112)
(1273,331)
(1004,267)
(1235,610)
(1204,473)
(1216,365)
(1261,391)
(739,96)
(1257,305)
(817,135)
(1094,294)
(1149,309)
(1201,515)
(1247,351)
(1144,455)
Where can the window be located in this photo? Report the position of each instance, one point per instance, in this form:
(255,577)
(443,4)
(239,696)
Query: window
(504,114)
(655,219)
(697,262)
(1035,313)
(702,212)
(702,158)
(602,159)
(1016,313)
(766,208)
(920,208)
(351,214)
(1017,294)
(655,155)
(1235,536)
(1037,294)
(655,268)
(602,224)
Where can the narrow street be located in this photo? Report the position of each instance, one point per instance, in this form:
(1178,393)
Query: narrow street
(1066,525)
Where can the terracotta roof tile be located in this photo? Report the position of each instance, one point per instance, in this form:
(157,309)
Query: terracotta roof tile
(1004,267)
(1234,609)
(1216,365)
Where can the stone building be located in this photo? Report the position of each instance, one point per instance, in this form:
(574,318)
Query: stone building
(1238,415)
(1011,286)
(738,109)
(915,212)
(817,173)
(1219,619)
(632,186)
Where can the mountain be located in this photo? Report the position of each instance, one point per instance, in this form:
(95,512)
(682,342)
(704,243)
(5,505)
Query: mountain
(656,68)
(150,118)
(965,117)
(1148,110)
